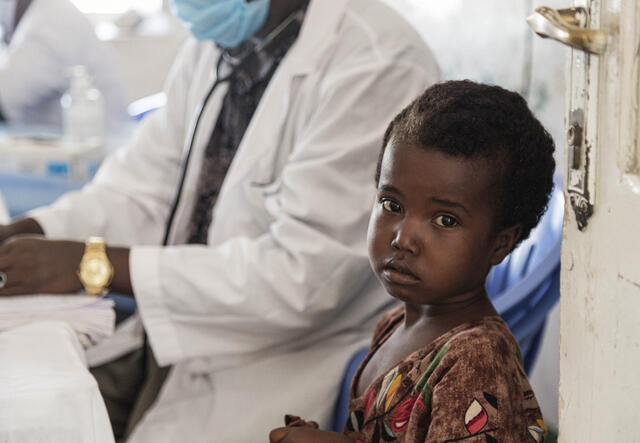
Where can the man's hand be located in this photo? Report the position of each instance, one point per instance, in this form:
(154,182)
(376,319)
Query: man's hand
(34,265)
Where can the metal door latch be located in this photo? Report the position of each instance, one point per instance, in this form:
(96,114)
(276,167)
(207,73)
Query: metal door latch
(578,169)
(571,27)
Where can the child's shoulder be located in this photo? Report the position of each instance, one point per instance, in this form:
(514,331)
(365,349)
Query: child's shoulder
(477,354)
(486,345)
(490,333)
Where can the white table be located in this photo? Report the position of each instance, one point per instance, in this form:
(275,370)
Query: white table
(46,392)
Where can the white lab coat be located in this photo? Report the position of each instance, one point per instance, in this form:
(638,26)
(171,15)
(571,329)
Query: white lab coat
(262,321)
(52,37)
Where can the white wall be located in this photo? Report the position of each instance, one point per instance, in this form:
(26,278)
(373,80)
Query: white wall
(489,41)
(144,55)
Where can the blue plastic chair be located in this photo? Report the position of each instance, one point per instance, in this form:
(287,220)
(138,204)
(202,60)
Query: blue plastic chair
(342,402)
(523,288)
(526,285)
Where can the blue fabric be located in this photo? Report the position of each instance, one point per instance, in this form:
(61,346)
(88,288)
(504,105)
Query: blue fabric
(526,285)
(342,403)
(227,22)
(124,306)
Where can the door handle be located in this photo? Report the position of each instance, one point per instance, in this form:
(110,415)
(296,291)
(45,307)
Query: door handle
(568,26)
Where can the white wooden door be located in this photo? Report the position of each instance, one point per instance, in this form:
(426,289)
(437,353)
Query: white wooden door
(600,302)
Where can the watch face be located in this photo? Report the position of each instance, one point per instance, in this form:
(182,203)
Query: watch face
(95,272)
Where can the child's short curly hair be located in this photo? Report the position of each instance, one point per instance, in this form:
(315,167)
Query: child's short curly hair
(464,118)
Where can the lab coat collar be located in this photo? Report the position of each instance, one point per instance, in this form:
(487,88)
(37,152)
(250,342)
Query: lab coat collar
(321,22)
(322,19)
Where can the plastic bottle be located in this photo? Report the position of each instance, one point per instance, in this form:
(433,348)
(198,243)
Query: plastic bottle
(83,112)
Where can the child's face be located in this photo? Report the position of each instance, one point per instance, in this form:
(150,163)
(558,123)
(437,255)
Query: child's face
(430,235)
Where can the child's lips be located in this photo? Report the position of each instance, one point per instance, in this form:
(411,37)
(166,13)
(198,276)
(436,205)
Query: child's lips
(398,273)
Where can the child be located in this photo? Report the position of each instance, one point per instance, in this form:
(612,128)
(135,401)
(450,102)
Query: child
(465,173)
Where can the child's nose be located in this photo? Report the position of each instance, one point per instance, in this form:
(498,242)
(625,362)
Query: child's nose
(407,237)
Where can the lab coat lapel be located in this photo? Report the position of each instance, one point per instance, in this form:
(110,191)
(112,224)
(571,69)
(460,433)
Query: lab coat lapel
(322,19)
(259,149)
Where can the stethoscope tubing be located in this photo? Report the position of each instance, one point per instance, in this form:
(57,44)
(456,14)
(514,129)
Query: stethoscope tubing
(187,159)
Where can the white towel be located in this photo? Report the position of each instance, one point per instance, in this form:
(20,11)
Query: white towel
(46,392)
(93,319)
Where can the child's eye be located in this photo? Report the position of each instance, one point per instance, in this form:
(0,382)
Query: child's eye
(390,205)
(446,221)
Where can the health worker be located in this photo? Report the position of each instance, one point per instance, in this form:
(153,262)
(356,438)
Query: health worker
(42,40)
(237,218)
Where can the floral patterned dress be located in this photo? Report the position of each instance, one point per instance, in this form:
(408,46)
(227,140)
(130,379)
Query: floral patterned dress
(468,385)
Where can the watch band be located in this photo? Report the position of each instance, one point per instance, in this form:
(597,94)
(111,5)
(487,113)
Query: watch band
(95,244)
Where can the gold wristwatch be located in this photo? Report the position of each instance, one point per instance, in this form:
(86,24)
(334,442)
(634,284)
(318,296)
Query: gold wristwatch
(95,270)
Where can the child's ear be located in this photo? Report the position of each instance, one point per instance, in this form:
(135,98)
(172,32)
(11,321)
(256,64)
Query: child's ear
(503,243)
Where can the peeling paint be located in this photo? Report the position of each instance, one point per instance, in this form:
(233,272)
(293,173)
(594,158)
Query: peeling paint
(570,262)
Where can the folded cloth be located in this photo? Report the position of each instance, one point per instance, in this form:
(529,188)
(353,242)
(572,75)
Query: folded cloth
(93,319)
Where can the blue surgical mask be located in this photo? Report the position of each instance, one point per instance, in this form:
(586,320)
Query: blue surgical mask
(227,22)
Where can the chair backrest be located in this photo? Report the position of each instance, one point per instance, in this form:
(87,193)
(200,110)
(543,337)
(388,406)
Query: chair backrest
(526,285)
(341,409)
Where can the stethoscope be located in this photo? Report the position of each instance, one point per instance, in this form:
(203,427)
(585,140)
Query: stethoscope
(235,62)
